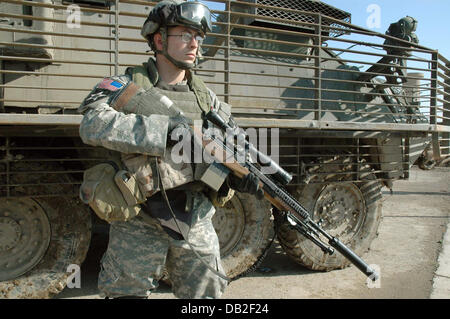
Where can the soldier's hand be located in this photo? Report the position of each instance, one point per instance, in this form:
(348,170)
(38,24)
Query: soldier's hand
(247,184)
(178,121)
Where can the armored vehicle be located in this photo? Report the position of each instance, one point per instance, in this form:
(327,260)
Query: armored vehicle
(344,109)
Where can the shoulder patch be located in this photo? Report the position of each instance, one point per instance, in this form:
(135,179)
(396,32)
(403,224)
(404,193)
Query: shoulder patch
(110,84)
(107,88)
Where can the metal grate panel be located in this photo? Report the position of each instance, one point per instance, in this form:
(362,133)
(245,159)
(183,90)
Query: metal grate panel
(312,6)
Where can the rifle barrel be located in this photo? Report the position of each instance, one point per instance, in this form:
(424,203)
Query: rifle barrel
(355,259)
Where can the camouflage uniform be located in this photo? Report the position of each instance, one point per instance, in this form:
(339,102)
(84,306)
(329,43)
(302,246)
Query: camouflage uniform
(139,249)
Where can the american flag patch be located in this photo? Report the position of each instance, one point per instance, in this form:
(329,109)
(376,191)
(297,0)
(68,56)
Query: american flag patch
(110,84)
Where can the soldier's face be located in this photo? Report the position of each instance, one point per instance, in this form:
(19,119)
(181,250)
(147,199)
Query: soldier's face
(177,48)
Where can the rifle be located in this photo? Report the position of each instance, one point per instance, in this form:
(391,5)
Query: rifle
(296,214)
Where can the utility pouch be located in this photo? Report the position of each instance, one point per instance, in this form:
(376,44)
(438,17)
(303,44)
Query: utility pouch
(113,195)
(129,188)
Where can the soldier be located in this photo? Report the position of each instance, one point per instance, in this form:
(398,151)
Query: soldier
(140,248)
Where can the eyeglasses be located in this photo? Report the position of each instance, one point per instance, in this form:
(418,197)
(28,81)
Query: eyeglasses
(186,37)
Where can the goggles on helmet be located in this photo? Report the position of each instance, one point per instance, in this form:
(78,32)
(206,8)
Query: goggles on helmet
(195,13)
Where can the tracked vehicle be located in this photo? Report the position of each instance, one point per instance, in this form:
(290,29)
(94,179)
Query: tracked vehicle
(344,109)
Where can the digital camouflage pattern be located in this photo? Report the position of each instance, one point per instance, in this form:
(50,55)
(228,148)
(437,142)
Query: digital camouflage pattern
(138,250)
(126,133)
(136,132)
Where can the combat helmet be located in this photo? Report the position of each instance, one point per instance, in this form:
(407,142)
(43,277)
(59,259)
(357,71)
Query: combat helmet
(168,13)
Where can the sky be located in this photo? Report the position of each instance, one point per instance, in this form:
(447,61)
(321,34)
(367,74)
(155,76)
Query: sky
(432,15)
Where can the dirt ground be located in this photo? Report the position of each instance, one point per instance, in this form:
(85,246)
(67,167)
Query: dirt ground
(406,251)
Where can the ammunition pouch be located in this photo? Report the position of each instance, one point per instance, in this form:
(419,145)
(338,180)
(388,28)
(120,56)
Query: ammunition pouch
(172,174)
(112,194)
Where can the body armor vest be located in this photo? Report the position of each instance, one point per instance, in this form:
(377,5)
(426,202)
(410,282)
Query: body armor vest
(192,103)
(185,101)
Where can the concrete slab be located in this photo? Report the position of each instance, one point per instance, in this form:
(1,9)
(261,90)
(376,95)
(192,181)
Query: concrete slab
(441,280)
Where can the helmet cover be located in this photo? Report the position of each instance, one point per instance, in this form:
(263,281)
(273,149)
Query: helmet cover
(175,12)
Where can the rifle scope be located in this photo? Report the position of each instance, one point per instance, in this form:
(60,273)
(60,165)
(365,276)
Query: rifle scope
(279,175)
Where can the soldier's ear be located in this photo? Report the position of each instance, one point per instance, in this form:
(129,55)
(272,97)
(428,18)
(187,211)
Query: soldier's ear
(157,40)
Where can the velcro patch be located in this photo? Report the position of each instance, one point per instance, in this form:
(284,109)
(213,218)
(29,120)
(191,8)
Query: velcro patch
(110,84)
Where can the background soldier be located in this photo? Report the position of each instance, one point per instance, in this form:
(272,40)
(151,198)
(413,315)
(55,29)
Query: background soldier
(140,248)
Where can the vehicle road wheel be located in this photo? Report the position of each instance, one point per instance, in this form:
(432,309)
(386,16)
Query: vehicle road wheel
(426,163)
(39,239)
(445,162)
(426,160)
(245,232)
(351,211)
